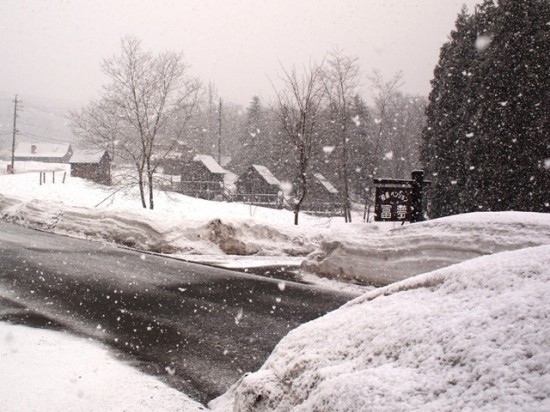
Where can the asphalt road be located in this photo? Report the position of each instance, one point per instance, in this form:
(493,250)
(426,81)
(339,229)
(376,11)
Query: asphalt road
(199,328)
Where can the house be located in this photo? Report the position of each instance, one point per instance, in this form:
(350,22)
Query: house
(43,152)
(322,197)
(93,165)
(258,186)
(171,162)
(202,177)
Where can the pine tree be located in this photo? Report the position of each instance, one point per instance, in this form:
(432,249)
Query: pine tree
(487,140)
(511,104)
(445,137)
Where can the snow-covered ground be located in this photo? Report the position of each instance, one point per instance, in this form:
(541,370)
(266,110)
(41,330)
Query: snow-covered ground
(237,235)
(47,371)
(471,336)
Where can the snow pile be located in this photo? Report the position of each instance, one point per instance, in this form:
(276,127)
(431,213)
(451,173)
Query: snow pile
(391,256)
(179,224)
(473,336)
(224,233)
(52,371)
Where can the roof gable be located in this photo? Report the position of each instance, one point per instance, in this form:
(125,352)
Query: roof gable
(210,163)
(266,175)
(52,150)
(327,185)
(88,156)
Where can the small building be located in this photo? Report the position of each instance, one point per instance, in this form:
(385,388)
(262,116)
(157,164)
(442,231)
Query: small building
(258,186)
(173,159)
(93,165)
(202,177)
(43,152)
(322,197)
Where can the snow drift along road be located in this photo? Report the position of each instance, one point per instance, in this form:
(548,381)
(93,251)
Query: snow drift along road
(473,336)
(384,258)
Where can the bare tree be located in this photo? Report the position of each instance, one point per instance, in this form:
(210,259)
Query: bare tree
(151,99)
(341,79)
(382,92)
(299,105)
(97,126)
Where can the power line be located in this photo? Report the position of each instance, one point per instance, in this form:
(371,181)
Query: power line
(34,107)
(44,138)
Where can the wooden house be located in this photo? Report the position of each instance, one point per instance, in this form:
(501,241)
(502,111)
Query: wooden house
(202,177)
(93,165)
(258,186)
(322,198)
(43,152)
(171,163)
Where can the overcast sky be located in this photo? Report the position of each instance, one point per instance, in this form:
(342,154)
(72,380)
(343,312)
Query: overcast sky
(53,48)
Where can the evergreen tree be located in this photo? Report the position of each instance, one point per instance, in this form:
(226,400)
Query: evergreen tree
(487,137)
(445,136)
(511,104)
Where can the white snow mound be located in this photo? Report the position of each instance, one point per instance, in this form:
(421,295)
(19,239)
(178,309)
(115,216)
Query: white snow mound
(473,336)
(386,257)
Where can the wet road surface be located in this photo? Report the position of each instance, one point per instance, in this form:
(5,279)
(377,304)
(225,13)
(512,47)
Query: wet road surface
(199,328)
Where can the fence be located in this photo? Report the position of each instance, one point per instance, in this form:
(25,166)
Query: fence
(260,199)
(43,175)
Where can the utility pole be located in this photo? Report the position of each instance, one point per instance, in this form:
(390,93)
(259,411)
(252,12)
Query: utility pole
(220,133)
(12,171)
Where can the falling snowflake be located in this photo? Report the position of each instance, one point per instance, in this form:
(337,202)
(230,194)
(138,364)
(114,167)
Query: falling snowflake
(483,41)
(239,316)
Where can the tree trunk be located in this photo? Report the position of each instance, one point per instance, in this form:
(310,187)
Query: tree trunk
(298,205)
(141,183)
(150,187)
(344,164)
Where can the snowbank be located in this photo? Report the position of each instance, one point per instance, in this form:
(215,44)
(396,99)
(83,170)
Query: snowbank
(391,256)
(45,371)
(473,336)
(179,224)
(224,233)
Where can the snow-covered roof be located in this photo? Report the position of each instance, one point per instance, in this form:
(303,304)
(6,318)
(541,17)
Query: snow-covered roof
(87,156)
(210,163)
(267,175)
(27,149)
(322,179)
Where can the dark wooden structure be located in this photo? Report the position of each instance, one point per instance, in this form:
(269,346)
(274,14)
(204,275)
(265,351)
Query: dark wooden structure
(399,200)
(93,165)
(202,177)
(322,198)
(259,187)
(43,152)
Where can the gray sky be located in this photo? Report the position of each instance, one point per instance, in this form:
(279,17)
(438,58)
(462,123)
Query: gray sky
(53,48)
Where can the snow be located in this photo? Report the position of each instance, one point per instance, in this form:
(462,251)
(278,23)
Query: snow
(390,256)
(210,163)
(267,175)
(87,156)
(25,149)
(322,179)
(234,234)
(45,371)
(473,336)
(462,325)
